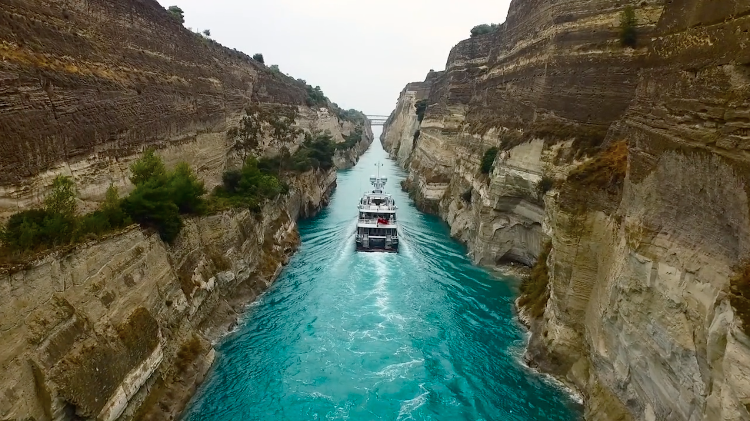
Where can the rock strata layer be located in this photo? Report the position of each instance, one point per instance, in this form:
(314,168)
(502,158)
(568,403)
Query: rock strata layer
(633,164)
(86,86)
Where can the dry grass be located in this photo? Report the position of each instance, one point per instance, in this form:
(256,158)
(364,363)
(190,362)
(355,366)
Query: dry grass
(64,64)
(220,261)
(605,171)
(534,290)
(740,296)
(598,183)
(188,352)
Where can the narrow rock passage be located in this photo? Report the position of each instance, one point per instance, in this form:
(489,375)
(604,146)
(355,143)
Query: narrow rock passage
(419,335)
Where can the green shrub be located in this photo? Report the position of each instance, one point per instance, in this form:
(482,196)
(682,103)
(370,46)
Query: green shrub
(57,224)
(318,150)
(315,96)
(483,29)
(421,107)
(108,217)
(628,23)
(488,160)
(351,140)
(271,165)
(42,228)
(466,196)
(62,198)
(151,206)
(352,115)
(248,187)
(159,197)
(177,13)
(187,190)
(26,230)
(148,167)
(545,185)
(259,58)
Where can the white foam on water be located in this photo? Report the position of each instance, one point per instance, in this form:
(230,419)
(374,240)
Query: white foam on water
(398,370)
(408,407)
(518,354)
(318,395)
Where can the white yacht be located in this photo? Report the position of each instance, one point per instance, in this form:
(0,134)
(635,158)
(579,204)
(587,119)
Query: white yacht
(376,226)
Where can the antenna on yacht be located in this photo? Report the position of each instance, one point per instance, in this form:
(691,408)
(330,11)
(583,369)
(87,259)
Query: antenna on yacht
(378,164)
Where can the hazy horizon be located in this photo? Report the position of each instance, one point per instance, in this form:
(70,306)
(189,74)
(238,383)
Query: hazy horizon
(360,56)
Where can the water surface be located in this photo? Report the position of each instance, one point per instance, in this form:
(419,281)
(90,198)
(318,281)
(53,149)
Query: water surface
(419,335)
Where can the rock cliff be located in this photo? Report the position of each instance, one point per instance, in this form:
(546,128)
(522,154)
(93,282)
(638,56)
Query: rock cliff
(86,86)
(632,164)
(122,327)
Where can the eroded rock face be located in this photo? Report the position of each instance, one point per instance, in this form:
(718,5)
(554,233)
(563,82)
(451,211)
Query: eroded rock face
(640,316)
(87,86)
(400,132)
(106,330)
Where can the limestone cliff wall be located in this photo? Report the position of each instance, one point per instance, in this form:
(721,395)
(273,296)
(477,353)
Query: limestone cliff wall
(544,88)
(400,132)
(87,85)
(643,316)
(647,277)
(121,328)
(348,158)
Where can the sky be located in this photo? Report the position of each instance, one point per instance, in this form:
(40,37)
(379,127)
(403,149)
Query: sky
(361,53)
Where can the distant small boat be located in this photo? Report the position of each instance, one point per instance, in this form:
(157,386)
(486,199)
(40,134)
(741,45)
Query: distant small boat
(377,229)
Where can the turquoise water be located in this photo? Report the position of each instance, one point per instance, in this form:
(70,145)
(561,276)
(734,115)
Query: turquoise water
(419,335)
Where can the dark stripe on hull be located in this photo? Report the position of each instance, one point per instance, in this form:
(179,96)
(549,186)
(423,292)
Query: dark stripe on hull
(378,246)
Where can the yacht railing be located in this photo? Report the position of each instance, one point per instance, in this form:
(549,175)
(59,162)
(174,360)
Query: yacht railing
(377,208)
(375,221)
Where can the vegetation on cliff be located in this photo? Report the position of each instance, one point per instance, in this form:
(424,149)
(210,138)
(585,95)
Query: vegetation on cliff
(315,96)
(421,107)
(351,115)
(628,22)
(160,196)
(177,13)
(159,201)
(483,29)
(57,224)
(740,296)
(351,140)
(275,121)
(604,172)
(489,159)
(247,187)
(545,184)
(534,290)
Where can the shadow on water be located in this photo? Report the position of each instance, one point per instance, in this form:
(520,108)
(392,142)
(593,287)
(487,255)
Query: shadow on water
(418,335)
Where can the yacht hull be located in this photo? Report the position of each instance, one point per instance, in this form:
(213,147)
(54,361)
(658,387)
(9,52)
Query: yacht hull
(371,249)
(376,245)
